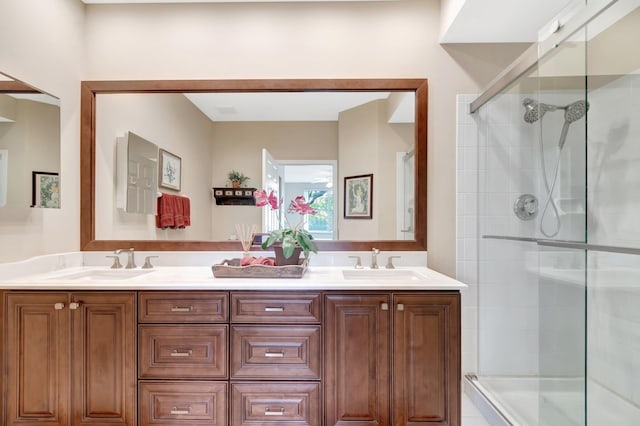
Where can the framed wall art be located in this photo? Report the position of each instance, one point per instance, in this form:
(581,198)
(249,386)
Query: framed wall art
(170,170)
(358,197)
(45,190)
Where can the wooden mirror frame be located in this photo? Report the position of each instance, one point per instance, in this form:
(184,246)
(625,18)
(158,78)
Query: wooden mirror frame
(89,90)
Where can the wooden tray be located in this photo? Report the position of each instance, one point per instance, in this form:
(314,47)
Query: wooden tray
(230,268)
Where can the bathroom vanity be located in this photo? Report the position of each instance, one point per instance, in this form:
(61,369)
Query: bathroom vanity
(176,346)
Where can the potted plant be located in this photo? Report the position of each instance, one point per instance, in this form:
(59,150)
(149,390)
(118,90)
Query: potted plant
(236,178)
(292,239)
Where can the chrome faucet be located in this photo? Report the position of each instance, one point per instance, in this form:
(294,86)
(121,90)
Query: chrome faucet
(374,258)
(131,263)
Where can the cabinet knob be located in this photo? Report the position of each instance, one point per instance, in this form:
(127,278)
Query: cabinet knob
(400,306)
(58,306)
(274,411)
(179,411)
(74,305)
(384,306)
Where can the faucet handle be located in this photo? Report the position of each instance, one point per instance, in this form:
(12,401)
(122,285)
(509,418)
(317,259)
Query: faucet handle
(389,264)
(116,262)
(147,262)
(358,261)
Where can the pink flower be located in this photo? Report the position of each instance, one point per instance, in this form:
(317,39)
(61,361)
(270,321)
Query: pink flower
(262,199)
(300,205)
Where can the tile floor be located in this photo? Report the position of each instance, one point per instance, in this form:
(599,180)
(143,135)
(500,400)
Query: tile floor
(470,414)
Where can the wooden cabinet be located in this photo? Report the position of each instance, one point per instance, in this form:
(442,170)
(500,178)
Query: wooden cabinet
(233,358)
(356,357)
(410,376)
(70,358)
(183,356)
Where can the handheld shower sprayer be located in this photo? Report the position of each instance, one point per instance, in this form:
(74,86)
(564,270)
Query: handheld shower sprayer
(572,112)
(534,111)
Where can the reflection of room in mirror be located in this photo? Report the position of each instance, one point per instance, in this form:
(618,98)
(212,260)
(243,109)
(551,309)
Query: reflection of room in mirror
(30,132)
(350,130)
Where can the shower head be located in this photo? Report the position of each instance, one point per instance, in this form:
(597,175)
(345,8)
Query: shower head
(572,112)
(575,111)
(534,111)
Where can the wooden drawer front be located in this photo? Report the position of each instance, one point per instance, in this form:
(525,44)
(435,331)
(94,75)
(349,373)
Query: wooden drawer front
(275,404)
(177,307)
(276,352)
(276,307)
(180,403)
(184,351)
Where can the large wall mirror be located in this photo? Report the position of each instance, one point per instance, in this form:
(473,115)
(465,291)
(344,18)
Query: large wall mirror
(316,138)
(29,148)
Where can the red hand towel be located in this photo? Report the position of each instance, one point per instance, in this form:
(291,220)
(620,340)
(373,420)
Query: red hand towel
(165,215)
(186,210)
(178,212)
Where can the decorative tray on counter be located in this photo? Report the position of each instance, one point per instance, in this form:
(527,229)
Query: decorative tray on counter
(230,268)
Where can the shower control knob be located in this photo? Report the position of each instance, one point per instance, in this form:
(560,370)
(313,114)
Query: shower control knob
(526,207)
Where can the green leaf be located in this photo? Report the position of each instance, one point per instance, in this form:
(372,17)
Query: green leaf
(288,245)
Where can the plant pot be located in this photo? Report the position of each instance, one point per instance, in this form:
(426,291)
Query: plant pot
(281,260)
(235,184)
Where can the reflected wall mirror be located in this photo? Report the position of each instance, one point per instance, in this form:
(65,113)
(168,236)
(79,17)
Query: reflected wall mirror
(29,146)
(215,126)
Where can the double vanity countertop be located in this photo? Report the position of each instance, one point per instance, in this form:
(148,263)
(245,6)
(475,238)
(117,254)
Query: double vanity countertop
(75,272)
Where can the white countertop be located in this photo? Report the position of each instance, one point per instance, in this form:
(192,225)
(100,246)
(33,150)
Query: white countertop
(201,278)
(75,272)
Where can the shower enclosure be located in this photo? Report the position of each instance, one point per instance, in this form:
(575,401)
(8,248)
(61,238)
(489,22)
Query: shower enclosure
(558,226)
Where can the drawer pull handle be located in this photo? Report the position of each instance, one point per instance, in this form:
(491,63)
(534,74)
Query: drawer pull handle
(176,352)
(178,411)
(274,412)
(182,309)
(274,354)
(274,309)
(58,306)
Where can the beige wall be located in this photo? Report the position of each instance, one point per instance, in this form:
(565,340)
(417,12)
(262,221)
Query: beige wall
(307,40)
(49,42)
(239,146)
(41,44)
(173,123)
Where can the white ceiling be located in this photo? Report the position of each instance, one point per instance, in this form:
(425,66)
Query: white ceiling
(500,21)
(293,106)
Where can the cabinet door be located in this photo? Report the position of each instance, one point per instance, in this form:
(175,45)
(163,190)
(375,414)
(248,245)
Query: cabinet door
(426,359)
(37,343)
(104,358)
(356,385)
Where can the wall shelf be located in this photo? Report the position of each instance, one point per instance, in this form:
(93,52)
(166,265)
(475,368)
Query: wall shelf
(234,196)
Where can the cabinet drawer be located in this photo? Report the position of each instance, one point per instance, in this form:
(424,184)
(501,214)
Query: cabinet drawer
(276,307)
(183,351)
(276,352)
(183,306)
(275,404)
(183,403)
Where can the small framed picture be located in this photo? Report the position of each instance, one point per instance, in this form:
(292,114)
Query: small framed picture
(217,192)
(45,190)
(228,192)
(170,170)
(358,197)
(238,192)
(248,192)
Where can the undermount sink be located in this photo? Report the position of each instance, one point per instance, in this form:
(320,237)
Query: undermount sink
(381,275)
(103,275)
